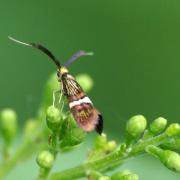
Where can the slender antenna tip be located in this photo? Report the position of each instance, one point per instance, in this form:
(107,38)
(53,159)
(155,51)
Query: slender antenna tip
(17,41)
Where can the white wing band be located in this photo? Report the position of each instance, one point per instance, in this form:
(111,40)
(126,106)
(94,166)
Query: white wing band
(80,101)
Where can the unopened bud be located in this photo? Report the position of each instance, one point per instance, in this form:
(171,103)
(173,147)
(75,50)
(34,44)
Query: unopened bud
(85,81)
(120,174)
(136,125)
(111,145)
(93,175)
(169,158)
(173,129)
(124,175)
(158,125)
(8,124)
(53,118)
(30,127)
(45,159)
(101,141)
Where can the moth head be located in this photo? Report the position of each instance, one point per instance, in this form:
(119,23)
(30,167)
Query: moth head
(61,70)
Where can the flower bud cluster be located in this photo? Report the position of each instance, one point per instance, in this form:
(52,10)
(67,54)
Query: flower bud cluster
(169,158)
(102,147)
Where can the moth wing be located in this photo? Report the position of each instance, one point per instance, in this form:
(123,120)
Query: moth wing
(70,86)
(87,117)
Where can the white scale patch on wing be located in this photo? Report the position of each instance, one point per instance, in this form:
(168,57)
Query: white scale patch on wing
(80,101)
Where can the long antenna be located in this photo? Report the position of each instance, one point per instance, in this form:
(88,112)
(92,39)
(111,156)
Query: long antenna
(77,55)
(40,47)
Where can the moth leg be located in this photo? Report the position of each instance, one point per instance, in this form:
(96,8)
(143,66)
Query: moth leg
(61,93)
(62,106)
(54,96)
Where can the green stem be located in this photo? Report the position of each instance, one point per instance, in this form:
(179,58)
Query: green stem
(112,159)
(153,150)
(6,152)
(5,168)
(24,151)
(157,140)
(53,146)
(43,173)
(81,171)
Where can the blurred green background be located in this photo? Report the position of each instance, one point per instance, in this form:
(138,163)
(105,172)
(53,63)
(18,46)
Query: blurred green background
(136,66)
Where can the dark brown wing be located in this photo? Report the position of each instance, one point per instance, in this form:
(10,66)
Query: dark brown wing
(70,86)
(87,117)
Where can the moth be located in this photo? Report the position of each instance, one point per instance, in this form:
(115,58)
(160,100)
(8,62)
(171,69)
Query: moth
(86,115)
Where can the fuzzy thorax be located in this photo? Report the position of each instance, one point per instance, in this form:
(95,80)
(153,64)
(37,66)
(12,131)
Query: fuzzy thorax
(63,70)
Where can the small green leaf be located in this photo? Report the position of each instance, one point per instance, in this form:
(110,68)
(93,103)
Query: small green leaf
(74,137)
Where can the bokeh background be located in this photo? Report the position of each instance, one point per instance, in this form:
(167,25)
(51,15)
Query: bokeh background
(136,66)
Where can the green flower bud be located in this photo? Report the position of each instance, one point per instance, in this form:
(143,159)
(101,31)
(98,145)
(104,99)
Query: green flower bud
(173,129)
(136,125)
(53,118)
(45,159)
(124,175)
(93,175)
(30,127)
(85,81)
(8,124)
(111,145)
(158,125)
(120,174)
(169,158)
(101,141)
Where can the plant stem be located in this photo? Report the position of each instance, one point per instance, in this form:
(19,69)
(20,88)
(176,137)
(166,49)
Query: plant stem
(24,151)
(113,158)
(5,168)
(43,173)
